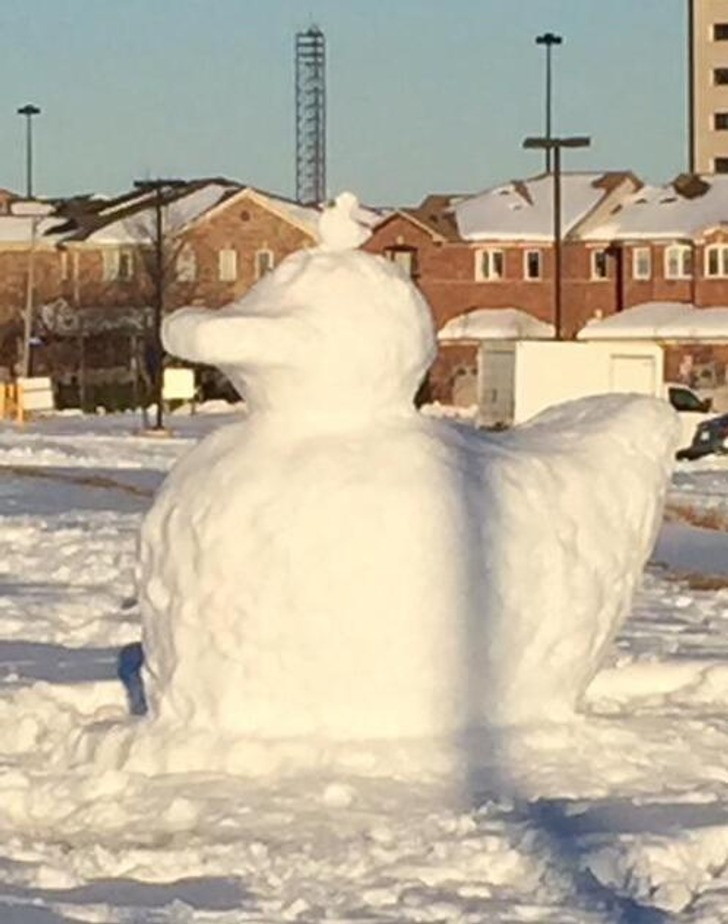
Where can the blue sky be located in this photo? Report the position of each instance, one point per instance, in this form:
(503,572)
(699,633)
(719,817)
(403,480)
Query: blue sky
(424,95)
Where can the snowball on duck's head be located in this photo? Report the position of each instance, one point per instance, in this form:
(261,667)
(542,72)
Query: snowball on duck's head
(331,328)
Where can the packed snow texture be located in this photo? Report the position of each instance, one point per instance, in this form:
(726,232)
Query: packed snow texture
(620,815)
(337,566)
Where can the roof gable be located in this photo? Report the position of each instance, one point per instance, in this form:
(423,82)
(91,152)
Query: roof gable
(304,218)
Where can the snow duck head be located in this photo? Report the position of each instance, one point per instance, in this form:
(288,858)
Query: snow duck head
(331,329)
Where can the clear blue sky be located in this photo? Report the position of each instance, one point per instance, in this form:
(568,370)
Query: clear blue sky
(424,95)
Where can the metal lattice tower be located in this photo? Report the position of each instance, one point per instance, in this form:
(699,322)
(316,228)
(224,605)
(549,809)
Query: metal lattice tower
(310,116)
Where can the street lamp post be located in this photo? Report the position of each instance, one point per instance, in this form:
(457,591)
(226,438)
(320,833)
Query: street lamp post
(158,187)
(555,145)
(548,40)
(29,110)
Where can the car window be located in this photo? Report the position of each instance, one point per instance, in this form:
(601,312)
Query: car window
(682,399)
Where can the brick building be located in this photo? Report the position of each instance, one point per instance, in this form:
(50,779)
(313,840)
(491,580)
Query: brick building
(95,267)
(495,250)
(623,244)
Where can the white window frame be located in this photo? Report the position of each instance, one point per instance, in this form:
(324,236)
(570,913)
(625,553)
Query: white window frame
(539,255)
(721,250)
(113,264)
(684,256)
(637,273)
(270,257)
(594,275)
(185,266)
(110,257)
(126,264)
(227,264)
(485,260)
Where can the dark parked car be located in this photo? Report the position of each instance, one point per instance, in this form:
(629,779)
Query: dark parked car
(710,436)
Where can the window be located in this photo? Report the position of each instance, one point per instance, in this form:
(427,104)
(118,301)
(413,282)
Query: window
(532,264)
(716,261)
(228,265)
(678,261)
(720,76)
(720,32)
(720,121)
(264,262)
(111,264)
(405,258)
(118,265)
(599,267)
(186,265)
(720,165)
(489,265)
(641,263)
(64,265)
(126,265)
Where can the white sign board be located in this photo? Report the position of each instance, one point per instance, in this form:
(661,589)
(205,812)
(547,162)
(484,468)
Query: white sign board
(36,393)
(178,385)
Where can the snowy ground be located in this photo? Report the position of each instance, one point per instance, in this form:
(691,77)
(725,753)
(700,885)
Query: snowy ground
(622,816)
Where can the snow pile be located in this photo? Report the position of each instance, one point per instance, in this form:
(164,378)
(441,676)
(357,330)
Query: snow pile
(337,566)
(495,324)
(660,321)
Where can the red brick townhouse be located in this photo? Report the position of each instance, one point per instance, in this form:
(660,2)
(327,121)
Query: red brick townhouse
(26,232)
(668,244)
(94,257)
(219,238)
(495,250)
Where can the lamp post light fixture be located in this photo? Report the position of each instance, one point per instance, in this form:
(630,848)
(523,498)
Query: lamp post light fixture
(158,187)
(29,110)
(555,145)
(548,40)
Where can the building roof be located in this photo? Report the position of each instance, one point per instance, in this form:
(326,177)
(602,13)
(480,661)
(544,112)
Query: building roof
(660,321)
(523,209)
(495,324)
(683,208)
(129,218)
(433,215)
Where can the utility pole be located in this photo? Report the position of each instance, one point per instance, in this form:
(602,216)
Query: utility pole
(29,110)
(548,40)
(555,145)
(158,187)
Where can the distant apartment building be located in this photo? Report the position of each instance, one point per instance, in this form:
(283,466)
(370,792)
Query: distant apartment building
(708,91)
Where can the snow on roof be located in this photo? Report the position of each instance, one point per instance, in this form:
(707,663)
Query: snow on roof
(523,210)
(495,324)
(305,215)
(139,226)
(17,229)
(666,211)
(660,321)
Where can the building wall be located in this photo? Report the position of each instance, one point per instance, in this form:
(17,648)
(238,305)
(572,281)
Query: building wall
(246,227)
(14,267)
(447,274)
(708,98)
(243,226)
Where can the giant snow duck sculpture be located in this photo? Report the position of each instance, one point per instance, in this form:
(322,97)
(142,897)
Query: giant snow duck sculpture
(338,565)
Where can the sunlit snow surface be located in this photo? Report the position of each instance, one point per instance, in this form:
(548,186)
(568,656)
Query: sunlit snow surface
(620,816)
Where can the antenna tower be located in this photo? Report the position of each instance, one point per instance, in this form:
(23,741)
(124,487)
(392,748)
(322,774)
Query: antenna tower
(310,116)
